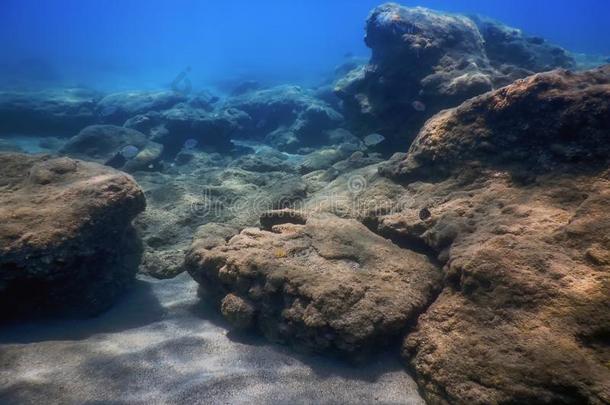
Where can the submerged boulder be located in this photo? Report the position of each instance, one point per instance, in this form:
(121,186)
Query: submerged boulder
(425,61)
(289,117)
(118,147)
(511,190)
(321,282)
(67,246)
(535,125)
(55,112)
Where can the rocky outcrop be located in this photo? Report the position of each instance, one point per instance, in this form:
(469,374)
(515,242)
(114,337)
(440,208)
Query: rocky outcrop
(118,147)
(535,125)
(424,61)
(288,117)
(66,241)
(57,112)
(212,130)
(509,49)
(116,108)
(324,283)
(510,191)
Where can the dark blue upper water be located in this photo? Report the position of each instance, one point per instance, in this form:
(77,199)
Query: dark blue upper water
(117,44)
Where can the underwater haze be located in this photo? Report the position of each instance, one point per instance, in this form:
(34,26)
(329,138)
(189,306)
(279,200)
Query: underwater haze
(305,202)
(146,44)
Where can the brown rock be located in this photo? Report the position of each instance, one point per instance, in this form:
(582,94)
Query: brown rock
(66,242)
(328,285)
(525,312)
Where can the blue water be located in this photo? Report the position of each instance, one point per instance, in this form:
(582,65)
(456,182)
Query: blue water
(116,44)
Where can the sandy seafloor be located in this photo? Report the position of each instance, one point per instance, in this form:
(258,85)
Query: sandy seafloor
(160,345)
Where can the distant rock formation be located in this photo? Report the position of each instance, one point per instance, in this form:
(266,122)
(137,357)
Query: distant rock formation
(67,246)
(47,112)
(118,147)
(424,61)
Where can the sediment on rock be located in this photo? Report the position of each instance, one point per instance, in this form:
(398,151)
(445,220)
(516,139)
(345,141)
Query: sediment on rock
(326,285)
(67,246)
(517,212)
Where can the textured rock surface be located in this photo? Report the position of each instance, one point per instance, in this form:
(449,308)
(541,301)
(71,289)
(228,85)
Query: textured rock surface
(423,61)
(210,188)
(536,125)
(105,144)
(66,243)
(524,315)
(329,284)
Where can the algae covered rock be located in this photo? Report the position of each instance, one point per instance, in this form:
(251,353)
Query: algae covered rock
(324,283)
(66,241)
(424,61)
(119,147)
(537,124)
(289,117)
(515,184)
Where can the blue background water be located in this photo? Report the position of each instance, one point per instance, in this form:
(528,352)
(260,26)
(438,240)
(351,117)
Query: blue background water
(146,43)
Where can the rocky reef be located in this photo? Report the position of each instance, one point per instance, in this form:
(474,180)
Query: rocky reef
(425,61)
(66,241)
(507,209)
(479,250)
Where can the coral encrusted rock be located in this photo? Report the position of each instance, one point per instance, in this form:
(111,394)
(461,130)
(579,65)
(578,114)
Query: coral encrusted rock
(67,246)
(328,284)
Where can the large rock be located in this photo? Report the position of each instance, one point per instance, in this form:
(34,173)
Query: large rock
(517,211)
(327,284)
(290,117)
(536,124)
(56,112)
(66,241)
(118,147)
(212,130)
(424,61)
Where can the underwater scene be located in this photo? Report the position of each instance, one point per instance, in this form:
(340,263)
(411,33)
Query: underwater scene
(305,202)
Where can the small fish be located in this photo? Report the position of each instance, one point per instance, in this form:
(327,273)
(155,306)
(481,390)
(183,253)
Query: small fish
(348,55)
(190,143)
(130,151)
(373,139)
(424,214)
(418,106)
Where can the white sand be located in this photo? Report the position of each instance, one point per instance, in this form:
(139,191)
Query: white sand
(160,345)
